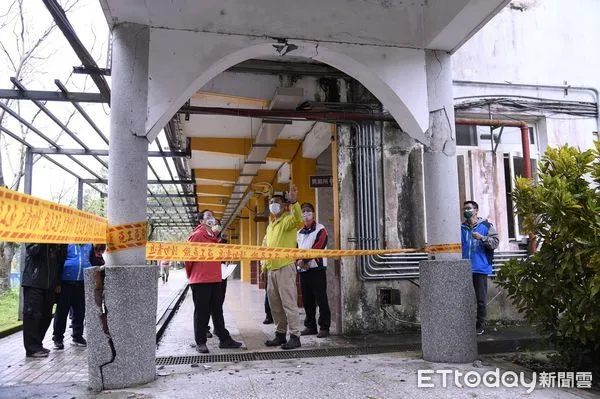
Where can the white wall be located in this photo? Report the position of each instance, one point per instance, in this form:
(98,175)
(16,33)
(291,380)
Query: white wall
(550,42)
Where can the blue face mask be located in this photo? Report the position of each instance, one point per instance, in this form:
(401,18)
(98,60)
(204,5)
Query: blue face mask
(468,214)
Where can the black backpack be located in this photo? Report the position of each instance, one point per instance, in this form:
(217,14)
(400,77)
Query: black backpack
(489,252)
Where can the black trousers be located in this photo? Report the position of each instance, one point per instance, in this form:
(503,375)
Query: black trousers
(268,313)
(224,291)
(37,315)
(72,295)
(480,282)
(208,301)
(314,293)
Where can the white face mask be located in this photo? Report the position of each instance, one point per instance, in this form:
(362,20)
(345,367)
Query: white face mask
(275,208)
(308,216)
(211,221)
(216,228)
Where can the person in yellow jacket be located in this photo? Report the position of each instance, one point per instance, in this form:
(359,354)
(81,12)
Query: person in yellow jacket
(281,273)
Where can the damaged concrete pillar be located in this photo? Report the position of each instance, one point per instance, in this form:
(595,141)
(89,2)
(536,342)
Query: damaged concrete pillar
(121,300)
(447,296)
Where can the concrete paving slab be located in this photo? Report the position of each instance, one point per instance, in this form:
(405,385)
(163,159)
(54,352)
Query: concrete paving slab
(391,375)
(70,364)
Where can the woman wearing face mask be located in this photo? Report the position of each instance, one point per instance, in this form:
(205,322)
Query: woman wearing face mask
(313,275)
(217,230)
(206,283)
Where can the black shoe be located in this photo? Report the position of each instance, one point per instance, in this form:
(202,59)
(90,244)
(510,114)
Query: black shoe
(292,343)
(209,334)
(323,334)
(79,341)
(480,331)
(309,331)
(268,320)
(202,348)
(58,344)
(230,344)
(38,355)
(45,350)
(278,340)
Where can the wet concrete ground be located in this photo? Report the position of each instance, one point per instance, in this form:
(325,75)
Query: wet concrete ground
(385,375)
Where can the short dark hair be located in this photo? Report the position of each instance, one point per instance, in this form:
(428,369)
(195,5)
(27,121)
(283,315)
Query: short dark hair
(307,205)
(281,196)
(475,205)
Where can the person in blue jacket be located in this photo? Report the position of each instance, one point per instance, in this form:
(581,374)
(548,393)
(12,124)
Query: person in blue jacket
(479,239)
(72,295)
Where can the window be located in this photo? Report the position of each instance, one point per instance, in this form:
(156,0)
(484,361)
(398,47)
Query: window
(513,167)
(466,135)
(531,136)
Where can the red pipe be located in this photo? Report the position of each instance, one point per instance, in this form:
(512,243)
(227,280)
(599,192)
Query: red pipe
(506,122)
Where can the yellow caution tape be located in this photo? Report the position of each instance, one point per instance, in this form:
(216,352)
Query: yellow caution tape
(126,236)
(24,218)
(196,251)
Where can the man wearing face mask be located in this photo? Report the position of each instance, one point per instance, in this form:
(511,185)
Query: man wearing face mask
(281,273)
(313,275)
(206,283)
(479,239)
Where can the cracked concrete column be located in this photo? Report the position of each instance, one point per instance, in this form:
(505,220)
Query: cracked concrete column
(122,350)
(447,297)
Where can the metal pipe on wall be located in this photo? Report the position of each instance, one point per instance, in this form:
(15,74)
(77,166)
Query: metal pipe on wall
(565,88)
(524,126)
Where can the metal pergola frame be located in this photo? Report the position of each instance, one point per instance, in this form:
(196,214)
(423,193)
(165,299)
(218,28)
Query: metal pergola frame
(166,208)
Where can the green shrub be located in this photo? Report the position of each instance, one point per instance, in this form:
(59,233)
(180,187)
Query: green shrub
(558,287)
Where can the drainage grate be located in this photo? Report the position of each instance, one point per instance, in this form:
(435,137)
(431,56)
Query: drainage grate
(280,355)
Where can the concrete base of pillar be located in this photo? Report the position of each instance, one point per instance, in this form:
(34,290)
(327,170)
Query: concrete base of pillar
(448,311)
(130,297)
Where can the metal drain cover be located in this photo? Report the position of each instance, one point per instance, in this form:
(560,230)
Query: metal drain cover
(280,355)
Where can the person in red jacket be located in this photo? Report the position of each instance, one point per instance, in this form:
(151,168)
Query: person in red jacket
(207,292)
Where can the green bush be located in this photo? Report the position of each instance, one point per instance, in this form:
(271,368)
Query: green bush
(9,309)
(558,287)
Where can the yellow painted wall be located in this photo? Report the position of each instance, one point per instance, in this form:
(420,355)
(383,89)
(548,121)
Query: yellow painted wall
(245,240)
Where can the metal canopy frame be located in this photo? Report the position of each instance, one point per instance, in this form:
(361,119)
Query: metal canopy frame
(173,209)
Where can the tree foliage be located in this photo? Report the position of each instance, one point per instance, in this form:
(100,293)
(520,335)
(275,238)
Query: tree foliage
(558,287)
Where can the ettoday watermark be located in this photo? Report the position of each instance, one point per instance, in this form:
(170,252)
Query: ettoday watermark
(507,379)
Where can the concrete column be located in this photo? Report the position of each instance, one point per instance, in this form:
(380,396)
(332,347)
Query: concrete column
(128,287)
(439,159)
(447,297)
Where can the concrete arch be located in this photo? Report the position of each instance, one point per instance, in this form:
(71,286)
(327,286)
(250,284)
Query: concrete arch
(396,76)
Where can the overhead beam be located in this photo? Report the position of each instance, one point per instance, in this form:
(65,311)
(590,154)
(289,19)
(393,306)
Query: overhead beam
(105,181)
(232,175)
(287,68)
(103,153)
(213,190)
(223,175)
(212,205)
(212,200)
(325,116)
(229,99)
(59,16)
(40,95)
(283,151)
